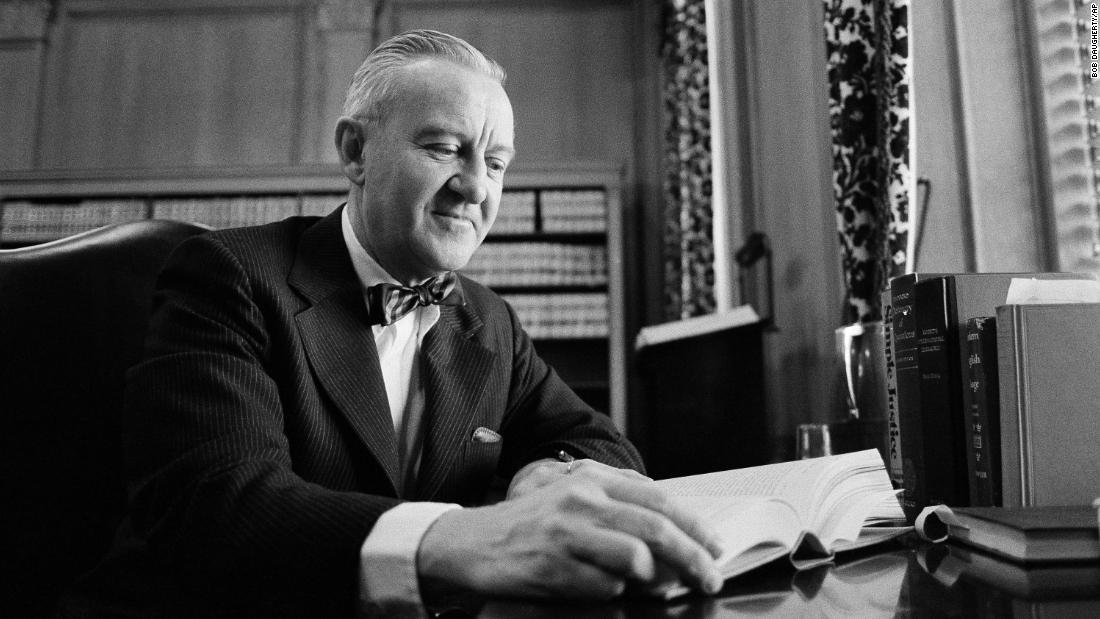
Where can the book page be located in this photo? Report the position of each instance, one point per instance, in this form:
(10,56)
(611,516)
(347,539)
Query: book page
(1023,291)
(754,531)
(799,482)
(787,480)
(744,522)
(833,496)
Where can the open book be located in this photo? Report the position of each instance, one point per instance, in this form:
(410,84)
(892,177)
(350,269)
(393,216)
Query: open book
(806,510)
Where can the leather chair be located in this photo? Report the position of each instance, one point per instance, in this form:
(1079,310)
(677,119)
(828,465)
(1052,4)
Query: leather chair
(73,315)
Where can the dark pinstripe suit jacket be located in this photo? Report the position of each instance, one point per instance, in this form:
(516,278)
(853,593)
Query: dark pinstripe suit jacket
(259,439)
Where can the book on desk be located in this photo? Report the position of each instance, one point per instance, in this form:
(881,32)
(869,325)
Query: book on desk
(1044,534)
(804,510)
(948,455)
(1049,360)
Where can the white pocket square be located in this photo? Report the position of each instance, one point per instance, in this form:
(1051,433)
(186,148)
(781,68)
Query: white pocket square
(485,435)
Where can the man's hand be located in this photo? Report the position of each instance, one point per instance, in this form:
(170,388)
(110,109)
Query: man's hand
(539,473)
(583,535)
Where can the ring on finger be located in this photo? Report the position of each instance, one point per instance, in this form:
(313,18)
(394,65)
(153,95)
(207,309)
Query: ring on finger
(568,459)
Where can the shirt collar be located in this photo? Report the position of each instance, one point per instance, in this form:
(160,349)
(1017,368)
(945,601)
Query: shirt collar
(370,273)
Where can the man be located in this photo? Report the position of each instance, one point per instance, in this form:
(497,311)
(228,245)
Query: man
(296,432)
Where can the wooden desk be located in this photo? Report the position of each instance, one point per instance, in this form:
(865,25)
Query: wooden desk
(901,579)
(898,581)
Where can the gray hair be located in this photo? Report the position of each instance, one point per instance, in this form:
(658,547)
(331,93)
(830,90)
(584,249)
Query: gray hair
(374,80)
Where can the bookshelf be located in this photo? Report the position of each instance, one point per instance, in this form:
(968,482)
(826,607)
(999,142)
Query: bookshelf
(555,252)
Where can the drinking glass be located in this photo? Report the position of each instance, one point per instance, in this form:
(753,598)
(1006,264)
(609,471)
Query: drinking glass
(813,440)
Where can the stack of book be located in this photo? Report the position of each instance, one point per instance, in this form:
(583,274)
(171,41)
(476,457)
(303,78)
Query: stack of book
(516,214)
(562,315)
(230,212)
(26,221)
(960,352)
(1028,553)
(574,210)
(539,264)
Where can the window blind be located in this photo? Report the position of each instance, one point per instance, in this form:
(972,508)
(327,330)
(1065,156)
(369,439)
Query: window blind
(1068,59)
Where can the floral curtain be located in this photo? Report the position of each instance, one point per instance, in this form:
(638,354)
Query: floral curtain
(688,222)
(867,46)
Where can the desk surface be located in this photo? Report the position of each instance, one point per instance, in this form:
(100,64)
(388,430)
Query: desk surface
(898,581)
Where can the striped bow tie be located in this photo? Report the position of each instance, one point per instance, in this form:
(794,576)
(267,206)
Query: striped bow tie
(388,303)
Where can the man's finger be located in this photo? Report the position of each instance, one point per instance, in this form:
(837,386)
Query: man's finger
(666,540)
(655,499)
(614,551)
(581,579)
(590,465)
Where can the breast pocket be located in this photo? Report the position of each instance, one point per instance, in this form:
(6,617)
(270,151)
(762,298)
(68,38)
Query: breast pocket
(480,458)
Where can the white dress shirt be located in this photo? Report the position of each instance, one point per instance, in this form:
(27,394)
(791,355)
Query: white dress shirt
(387,559)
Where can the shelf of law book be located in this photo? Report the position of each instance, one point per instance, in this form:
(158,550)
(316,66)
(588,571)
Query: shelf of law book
(554,252)
(548,252)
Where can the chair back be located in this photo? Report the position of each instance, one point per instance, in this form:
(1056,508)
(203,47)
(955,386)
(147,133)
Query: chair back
(73,316)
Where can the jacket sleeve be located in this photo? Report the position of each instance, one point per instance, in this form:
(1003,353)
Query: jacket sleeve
(213,491)
(544,416)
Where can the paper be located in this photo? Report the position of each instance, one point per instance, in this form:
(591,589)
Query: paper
(1023,291)
(699,325)
(932,522)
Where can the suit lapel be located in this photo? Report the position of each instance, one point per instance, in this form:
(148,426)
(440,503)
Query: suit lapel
(339,343)
(454,366)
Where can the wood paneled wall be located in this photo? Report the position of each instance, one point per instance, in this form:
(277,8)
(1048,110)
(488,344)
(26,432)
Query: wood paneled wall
(570,69)
(167,84)
(157,85)
(23,28)
(176,83)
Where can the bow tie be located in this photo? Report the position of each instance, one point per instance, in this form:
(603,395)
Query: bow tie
(388,303)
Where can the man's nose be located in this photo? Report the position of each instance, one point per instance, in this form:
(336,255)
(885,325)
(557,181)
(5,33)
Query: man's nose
(470,182)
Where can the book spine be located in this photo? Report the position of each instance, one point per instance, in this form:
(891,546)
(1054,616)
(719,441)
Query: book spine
(992,401)
(907,379)
(1009,368)
(893,428)
(980,400)
(942,420)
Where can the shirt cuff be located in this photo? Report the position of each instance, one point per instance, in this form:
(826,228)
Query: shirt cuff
(387,559)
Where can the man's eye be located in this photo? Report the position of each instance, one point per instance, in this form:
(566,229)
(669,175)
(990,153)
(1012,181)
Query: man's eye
(446,150)
(496,165)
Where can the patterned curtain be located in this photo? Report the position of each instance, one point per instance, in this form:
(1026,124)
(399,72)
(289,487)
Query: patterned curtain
(688,229)
(867,44)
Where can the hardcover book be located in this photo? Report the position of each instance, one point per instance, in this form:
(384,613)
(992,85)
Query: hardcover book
(1049,367)
(938,436)
(982,399)
(804,510)
(903,397)
(939,470)
(1053,533)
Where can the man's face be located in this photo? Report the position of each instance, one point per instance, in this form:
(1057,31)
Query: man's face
(433,170)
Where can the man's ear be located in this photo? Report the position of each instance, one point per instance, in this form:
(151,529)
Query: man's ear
(350,137)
